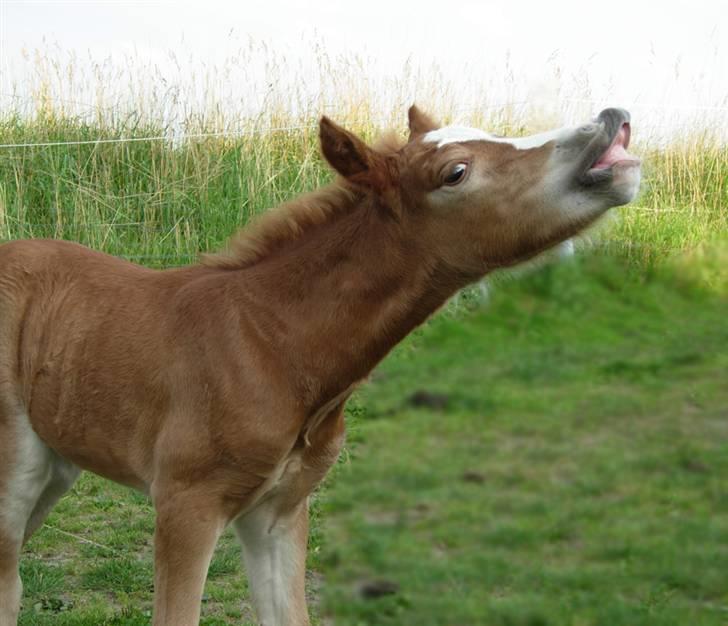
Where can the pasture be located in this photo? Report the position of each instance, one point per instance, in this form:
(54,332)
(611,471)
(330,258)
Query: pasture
(554,454)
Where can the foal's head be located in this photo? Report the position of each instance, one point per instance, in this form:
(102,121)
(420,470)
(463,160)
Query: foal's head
(479,201)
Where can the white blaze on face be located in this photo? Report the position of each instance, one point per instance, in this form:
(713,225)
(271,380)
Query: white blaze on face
(455,134)
(459,134)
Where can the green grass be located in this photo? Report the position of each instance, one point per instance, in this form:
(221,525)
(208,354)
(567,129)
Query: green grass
(150,201)
(577,474)
(92,563)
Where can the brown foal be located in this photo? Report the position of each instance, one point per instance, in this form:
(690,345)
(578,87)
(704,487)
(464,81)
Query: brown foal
(219,388)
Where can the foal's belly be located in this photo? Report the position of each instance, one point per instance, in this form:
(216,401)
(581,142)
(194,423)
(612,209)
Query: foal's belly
(106,442)
(89,453)
(97,420)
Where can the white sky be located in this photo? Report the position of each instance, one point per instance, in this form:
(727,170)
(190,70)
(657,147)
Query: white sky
(670,55)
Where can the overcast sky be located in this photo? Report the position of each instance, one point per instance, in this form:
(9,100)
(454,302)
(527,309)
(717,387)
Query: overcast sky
(671,54)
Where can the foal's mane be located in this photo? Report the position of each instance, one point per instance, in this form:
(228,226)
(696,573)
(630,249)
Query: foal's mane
(291,220)
(276,227)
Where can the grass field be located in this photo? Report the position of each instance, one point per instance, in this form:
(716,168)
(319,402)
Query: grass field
(554,455)
(571,470)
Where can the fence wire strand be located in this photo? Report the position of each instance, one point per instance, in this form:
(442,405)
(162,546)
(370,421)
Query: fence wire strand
(169,138)
(172,137)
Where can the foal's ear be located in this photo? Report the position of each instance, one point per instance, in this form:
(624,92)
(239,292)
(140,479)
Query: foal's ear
(419,122)
(350,156)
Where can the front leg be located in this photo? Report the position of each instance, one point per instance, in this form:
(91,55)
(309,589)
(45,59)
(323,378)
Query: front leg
(188,525)
(274,552)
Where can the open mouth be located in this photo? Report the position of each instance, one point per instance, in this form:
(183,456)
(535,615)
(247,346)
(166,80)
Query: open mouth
(617,150)
(602,161)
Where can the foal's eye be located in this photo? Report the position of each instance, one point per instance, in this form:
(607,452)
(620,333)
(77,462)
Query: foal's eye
(456,174)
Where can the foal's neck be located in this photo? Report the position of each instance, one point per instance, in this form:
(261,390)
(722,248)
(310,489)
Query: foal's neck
(347,292)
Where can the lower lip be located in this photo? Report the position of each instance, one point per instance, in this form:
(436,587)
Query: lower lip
(610,175)
(634,162)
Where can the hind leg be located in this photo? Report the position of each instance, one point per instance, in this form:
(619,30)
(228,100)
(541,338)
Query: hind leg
(32,478)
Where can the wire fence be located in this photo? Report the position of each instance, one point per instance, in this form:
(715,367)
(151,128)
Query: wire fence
(170,137)
(379,120)
(243,132)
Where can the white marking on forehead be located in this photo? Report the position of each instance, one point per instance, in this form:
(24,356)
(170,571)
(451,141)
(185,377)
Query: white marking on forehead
(457,134)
